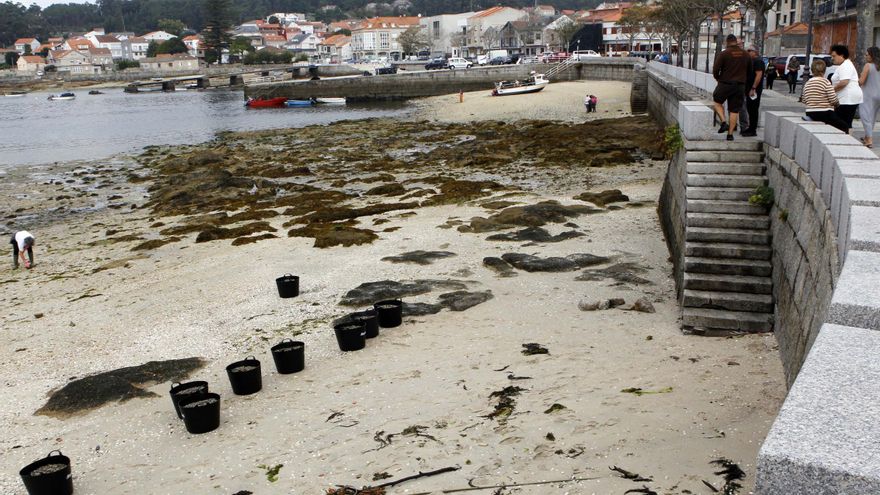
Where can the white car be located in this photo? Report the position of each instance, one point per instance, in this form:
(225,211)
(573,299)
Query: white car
(459,63)
(582,54)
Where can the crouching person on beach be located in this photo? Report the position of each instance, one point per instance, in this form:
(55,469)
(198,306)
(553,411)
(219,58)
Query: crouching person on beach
(22,241)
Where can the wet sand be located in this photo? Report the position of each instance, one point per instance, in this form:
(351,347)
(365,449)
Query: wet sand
(93,305)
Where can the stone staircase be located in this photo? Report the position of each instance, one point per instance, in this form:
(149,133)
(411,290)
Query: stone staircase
(727,269)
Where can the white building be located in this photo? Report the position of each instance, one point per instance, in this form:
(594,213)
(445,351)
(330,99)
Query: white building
(287,18)
(135,48)
(335,49)
(376,38)
(158,36)
(21,43)
(30,63)
(484,28)
(73,62)
(171,63)
(109,42)
(445,32)
(194,46)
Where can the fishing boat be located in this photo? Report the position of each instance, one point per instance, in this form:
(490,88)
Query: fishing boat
(62,97)
(15,94)
(266,103)
(96,92)
(299,103)
(330,101)
(533,84)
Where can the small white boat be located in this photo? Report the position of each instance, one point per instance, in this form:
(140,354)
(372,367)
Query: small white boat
(15,94)
(533,84)
(330,101)
(62,97)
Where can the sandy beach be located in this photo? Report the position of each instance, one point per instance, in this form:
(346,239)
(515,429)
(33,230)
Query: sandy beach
(121,280)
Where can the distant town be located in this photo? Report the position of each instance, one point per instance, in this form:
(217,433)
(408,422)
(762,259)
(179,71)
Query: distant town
(495,35)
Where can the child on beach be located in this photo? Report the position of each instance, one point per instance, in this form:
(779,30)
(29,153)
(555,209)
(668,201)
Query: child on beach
(593,102)
(22,241)
(587,103)
(590,103)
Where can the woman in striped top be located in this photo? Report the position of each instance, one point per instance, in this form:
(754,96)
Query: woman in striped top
(821,99)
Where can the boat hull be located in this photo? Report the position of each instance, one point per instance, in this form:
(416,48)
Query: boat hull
(62,98)
(273,103)
(331,101)
(521,90)
(298,103)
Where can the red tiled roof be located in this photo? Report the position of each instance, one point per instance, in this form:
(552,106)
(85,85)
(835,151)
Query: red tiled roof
(34,59)
(489,11)
(192,37)
(100,51)
(273,37)
(106,38)
(22,41)
(385,22)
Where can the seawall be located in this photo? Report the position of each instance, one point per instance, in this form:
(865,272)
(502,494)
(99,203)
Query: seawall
(825,225)
(404,85)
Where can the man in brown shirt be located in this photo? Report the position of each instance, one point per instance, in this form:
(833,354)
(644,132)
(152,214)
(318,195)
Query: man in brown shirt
(730,72)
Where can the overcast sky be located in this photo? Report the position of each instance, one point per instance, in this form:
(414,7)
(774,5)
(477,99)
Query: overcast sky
(46,3)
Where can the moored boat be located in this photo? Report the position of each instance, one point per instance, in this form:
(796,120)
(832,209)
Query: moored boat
(62,97)
(330,101)
(266,103)
(299,103)
(533,84)
(15,94)
(96,92)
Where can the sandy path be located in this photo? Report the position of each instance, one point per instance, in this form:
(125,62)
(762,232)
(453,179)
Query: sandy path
(436,371)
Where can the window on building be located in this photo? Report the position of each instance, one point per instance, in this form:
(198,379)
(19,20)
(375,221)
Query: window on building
(784,19)
(436,30)
(384,40)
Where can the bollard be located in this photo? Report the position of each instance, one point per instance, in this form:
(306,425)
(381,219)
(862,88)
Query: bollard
(461,96)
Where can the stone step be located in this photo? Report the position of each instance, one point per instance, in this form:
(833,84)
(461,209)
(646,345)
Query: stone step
(737,236)
(722,206)
(727,266)
(731,301)
(728,221)
(727,250)
(721,145)
(725,156)
(728,283)
(710,320)
(720,193)
(725,168)
(717,180)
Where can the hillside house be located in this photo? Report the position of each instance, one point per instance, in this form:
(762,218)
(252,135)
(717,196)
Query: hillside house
(30,63)
(484,29)
(135,48)
(376,38)
(158,36)
(335,49)
(446,32)
(30,45)
(73,62)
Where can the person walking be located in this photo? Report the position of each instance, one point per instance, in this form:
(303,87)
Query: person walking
(587,103)
(870,83)
(846,82)
(791,73)
(594,102)
(820,98)
(754,89)
(771,74)
(730,72)
(22,241)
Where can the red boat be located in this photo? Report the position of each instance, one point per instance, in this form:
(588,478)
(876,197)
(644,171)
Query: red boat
(270,103)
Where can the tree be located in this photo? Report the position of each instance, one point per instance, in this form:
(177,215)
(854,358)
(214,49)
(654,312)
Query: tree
(632,23)
(565,31)
(152,49)
(274,20)
(682,19)
(761,7)
(127,64)
(172,46)
(11,59)
(27,49)
(218,20)
(865,30)
(413,40)
(172,26)
(240,46)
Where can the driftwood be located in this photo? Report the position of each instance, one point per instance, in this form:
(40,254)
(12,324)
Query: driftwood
(380,489)
(508,485)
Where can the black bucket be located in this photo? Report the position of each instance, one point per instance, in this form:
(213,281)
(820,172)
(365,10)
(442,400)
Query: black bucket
(201,414)
(48,476)
(370,321)
(288,286)
(289,356)
(351,336)
(389,313)
(245,378)
(181,391)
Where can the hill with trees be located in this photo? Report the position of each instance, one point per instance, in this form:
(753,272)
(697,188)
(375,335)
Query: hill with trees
(139,16)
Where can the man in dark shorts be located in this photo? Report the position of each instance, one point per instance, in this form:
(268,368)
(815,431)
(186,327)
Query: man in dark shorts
(730,72)
(754,78)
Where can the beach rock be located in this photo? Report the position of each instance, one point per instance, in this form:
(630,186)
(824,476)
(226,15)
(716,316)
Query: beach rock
(217,233)
(569,263)
(334,234)
(419,257)
(155,243)
(390,189)
(241,241)
(499,266)
(420,309)
(585,305)
(464,300)
(370,292)
(84,394)
(535,234)
(603,198)
(535,215)
(620,272)
(642,305)
(615,302)
(459,191)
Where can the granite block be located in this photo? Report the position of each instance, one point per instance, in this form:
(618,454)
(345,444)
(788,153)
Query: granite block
(695,120)
(772,126)
(864,225)
(856,300)
(865,192)
(825,439)
(804,140)
(859,168)
(788,126)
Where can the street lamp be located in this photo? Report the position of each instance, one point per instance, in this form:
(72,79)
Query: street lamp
(743,10)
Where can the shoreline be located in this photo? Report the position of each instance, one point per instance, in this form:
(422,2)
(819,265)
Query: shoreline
(436,372)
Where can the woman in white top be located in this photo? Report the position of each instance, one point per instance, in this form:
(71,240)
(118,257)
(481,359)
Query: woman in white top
(846,83)
(22,241)
(870,82)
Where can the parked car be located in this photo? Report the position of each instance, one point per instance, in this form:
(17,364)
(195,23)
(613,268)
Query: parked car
(584,54)
(782,62)
(459,63)
(437,63)
(389,69)
(529,60)
(423,55)
(499,61)
(551,57)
